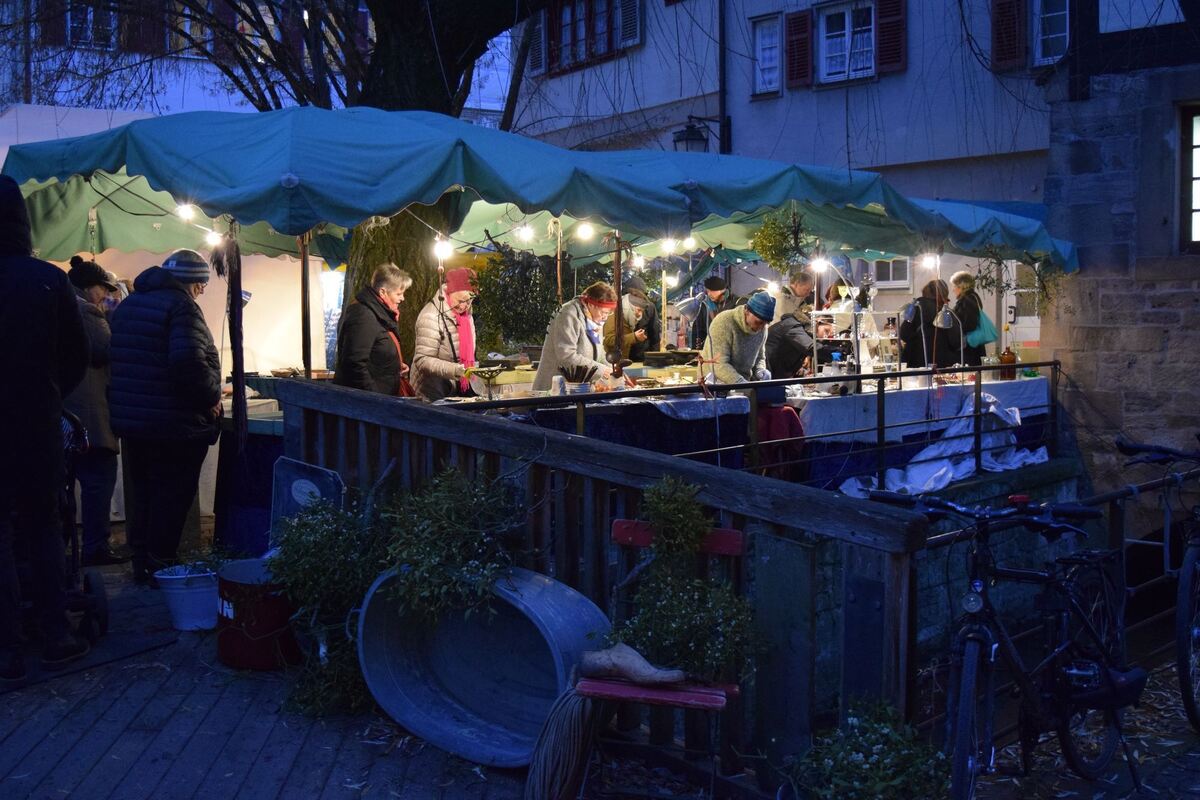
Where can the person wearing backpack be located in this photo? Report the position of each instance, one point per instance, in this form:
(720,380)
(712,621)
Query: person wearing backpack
(978,330)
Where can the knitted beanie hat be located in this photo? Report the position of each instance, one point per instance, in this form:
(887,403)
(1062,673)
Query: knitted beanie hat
(84,274)
(762,305)
(187,266)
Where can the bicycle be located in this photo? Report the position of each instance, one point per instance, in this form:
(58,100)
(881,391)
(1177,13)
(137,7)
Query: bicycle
(1078,687)
(1187,589)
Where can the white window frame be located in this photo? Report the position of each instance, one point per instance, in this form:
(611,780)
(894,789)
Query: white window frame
(892,282)
(849,35)
(77,9)
(764,51)
(1040,58)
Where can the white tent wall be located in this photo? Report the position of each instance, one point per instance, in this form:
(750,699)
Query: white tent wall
(271,320)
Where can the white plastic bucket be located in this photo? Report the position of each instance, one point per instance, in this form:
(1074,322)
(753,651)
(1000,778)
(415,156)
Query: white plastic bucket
(191,596)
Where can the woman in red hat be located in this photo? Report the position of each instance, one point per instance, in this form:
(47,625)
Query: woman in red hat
(575,335)
(445,345)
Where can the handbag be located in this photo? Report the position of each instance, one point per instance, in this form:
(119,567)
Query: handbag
(406,388)
(985,332)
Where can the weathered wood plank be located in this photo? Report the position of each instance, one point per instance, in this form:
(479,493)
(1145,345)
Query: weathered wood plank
(322,453)
(270,770)
(836,516)
(244,745)
(363,468)
(316,758)
(353,763)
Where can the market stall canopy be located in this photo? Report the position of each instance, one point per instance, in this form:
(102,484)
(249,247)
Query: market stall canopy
(297,168)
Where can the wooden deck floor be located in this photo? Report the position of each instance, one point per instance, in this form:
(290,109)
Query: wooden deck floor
(174,723)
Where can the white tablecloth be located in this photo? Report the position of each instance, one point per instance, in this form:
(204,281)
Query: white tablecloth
(829,417)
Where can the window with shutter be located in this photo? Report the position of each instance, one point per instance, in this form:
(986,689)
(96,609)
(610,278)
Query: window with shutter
(537,44)
(52,23)
(845,41)
(144,28)
(1009,34)
(797,34)
(91,23)
(629,15)
(891,35)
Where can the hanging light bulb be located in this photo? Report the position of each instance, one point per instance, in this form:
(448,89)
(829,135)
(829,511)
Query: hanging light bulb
(442,249)
(689,243)
(772,287)
(186,212)
(525,233)
(930,261)
(639,261)
(819,264)
(213,239)
(584,231)
(669,245)
(671,280)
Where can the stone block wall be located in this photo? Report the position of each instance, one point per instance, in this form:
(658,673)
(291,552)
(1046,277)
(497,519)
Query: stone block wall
(1126,327)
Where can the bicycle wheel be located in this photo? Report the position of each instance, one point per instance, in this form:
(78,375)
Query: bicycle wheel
(1187,633)
(968,756)
(1089,737)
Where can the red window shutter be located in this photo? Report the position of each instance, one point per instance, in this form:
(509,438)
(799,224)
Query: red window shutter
(52,22)
(891,36)
(798,49)
(1010,38)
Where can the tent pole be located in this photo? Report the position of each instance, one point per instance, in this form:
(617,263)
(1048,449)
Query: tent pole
(620,328)
(305,315)
(662,322)
(558,261)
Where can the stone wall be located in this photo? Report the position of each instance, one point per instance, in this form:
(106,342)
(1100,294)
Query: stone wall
(1127,326)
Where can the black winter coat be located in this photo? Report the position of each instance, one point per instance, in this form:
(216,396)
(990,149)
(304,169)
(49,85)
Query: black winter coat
(968,308)
(166,374)
(45,354)
(943,342)
(700,326)
(788,344)
(366,355)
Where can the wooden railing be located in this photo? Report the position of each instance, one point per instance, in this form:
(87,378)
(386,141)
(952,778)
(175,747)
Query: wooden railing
(574,487)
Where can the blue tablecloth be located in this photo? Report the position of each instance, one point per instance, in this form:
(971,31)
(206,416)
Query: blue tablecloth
(674,426)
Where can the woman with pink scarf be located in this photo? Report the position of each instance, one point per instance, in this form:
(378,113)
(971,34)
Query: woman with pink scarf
(445,341)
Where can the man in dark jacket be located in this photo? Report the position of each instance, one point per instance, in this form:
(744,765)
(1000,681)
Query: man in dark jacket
(649,321)
(46,353)
(717,298)
(789,343)
(165,403)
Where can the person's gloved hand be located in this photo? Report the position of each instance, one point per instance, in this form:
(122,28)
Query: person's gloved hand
(762,375)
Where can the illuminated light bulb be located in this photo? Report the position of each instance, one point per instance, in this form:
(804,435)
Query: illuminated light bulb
(819,264)
(689,243)
(212,238)
(584,231)
(671,280)
(772,287)
(669,245)
(639,261)
(442,249)
(525,233)
(929,261)
(186,212)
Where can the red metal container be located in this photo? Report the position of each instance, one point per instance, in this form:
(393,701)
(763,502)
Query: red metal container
(254,628)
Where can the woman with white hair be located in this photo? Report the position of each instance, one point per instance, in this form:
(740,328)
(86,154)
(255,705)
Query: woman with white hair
(368,345)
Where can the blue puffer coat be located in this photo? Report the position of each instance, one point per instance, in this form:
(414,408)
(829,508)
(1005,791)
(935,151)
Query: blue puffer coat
(166,375)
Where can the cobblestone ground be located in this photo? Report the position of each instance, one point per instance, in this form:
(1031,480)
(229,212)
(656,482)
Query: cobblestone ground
(1164,744)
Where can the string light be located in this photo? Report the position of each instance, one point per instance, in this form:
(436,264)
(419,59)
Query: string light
(669,245)
(689,243)
(671,280)
(584,231)
(213,239)
(819,264)
(442,249)
(639,261)
(930,261)
(525,233)
(186,212)
(772,287)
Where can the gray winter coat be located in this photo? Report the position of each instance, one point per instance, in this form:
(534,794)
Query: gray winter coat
(738,353)
(436,367)
(567,345)
(89,401)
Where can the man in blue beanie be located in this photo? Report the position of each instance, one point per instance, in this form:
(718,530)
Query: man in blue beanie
(165,402)
(737,339)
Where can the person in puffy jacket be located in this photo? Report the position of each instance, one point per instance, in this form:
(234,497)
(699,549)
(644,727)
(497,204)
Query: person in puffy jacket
(164,402)
(45,358)
(368,343)
(445,346)
(574,337)
(96,470)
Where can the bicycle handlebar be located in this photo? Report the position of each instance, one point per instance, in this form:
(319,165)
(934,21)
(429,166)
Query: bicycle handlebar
(1048,519)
